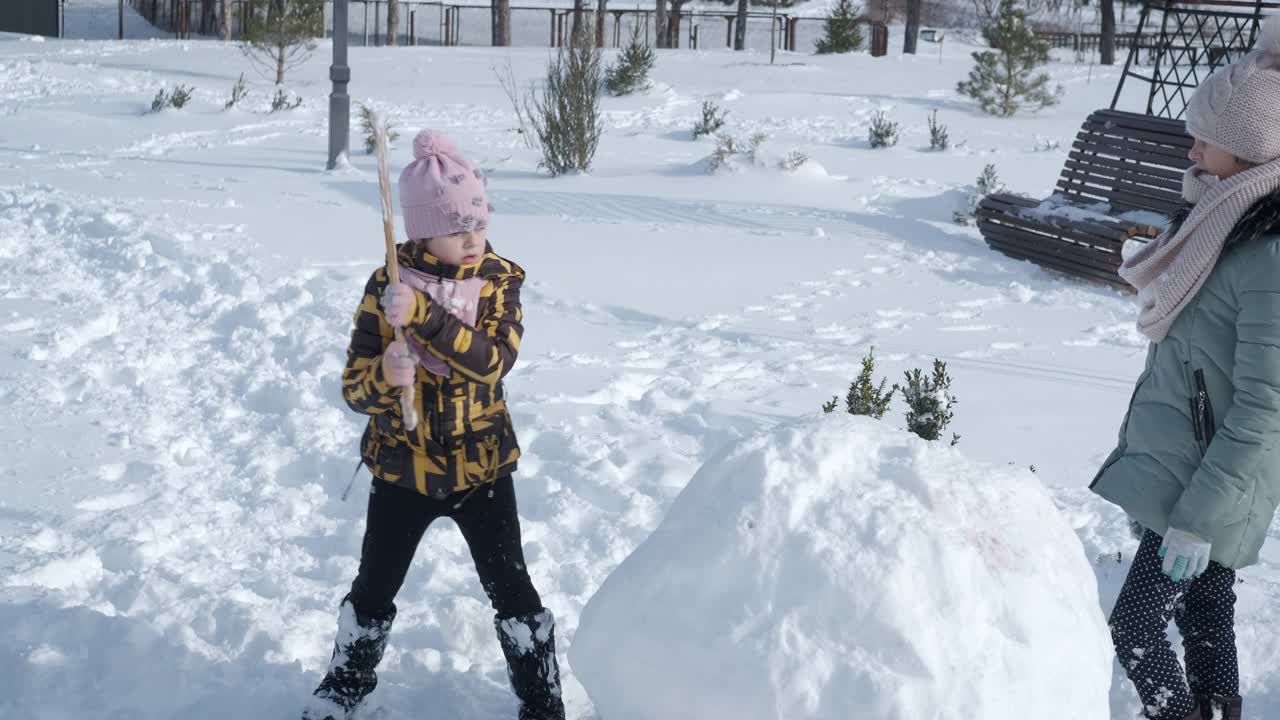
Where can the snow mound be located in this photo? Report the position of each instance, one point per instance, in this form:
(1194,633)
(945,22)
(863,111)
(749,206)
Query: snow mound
(837,568)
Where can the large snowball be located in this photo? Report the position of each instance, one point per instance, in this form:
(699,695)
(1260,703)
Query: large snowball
(839,569)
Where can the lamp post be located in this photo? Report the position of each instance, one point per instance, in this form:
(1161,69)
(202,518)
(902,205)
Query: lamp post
(339,100)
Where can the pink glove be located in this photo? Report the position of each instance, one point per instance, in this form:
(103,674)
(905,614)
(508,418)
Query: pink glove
(399,301)
(398,364)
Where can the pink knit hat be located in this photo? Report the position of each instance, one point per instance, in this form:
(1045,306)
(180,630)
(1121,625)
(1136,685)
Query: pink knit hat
(1238,107)
(440,192)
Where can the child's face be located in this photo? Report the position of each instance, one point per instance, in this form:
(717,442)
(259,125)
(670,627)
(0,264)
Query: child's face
(464,248)
(1216,161)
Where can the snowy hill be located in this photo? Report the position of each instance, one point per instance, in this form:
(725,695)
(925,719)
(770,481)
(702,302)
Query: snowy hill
(178,290)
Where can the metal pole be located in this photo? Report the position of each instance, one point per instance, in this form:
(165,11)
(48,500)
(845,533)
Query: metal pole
(121,19)
(339,100)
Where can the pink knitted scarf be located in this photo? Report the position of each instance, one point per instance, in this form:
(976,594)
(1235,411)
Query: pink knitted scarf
(1170,270)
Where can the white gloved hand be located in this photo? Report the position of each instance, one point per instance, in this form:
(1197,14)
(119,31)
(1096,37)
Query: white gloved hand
(398,365)
(1186,556)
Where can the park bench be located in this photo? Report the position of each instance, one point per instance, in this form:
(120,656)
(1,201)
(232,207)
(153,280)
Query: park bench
(1121,182)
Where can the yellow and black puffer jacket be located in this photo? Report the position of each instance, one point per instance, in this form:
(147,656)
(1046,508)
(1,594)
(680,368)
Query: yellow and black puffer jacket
(464,437)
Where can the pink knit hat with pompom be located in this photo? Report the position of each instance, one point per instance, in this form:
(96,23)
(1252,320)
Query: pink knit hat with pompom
(440,192)
(1238,107)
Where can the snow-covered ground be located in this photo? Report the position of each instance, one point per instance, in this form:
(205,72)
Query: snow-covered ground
(176,291)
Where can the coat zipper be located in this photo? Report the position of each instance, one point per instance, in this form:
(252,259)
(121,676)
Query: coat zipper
(1202,414)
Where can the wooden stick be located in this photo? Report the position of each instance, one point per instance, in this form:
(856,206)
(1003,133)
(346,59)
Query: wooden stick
(407,410)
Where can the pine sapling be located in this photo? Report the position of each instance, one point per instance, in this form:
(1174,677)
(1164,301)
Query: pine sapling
(939,139)
(1006,78)
(883,132)
(929,402)
(830,407)
(238,93)
(712,120)
(631,72)
(161,101)
(988,183)
(865,397)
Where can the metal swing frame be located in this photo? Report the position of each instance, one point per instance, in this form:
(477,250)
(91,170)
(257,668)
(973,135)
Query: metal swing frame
(1195,39)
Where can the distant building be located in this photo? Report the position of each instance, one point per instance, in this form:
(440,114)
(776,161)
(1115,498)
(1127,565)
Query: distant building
(30,17)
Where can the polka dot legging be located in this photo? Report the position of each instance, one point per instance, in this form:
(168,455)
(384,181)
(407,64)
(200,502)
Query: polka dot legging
(1204,610)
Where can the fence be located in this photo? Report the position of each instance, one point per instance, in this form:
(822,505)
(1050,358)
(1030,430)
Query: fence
(432,22)
(437,23)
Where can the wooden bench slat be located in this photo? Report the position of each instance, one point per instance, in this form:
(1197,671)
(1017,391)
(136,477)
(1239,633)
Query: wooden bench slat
(1120,200)
(1029,246)
(1062,255)
(1094,229)
(1138,137)
(1172,177)
(1157,155)
(1108,238)
(1124,118)
(1133,191)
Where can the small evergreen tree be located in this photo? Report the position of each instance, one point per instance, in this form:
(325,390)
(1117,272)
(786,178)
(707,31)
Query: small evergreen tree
(939,138)
(711,122)
(1004,79)
(840,30)
(864,396)
(883,132)
(929,402)
(280,34)
(161,101)
(631,73)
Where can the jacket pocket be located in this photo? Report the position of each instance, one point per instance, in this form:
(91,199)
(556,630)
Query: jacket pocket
(1122,443)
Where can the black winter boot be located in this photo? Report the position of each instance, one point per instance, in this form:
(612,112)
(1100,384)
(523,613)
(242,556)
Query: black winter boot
(1217,707)
(529,643)
(356,653)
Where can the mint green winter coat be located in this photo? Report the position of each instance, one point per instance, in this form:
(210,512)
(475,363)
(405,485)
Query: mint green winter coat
(1161,473)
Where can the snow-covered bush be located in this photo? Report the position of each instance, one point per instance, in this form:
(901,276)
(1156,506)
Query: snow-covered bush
(284,101)
(883,131)
(865,397)
(729,148)
(929,400)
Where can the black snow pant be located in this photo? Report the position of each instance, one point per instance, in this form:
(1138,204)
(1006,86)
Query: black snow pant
(487,517)
(1204,610)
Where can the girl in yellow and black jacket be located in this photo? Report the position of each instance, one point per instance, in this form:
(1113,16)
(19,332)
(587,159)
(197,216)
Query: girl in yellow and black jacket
(459,306)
